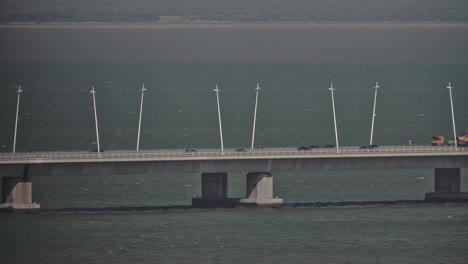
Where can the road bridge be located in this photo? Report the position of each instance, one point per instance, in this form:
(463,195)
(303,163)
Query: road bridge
(18,169)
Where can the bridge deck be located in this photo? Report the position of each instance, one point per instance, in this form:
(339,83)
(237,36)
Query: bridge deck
(228,154)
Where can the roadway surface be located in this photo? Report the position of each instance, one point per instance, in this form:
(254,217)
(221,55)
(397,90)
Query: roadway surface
(217,154)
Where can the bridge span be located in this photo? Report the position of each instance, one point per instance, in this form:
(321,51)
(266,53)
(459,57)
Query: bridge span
(18,169)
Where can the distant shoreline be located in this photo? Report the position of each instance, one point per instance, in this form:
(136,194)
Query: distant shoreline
(129,25)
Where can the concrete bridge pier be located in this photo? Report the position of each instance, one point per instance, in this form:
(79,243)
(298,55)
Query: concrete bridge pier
(17,192)
(446,186)
(260,191)
(214,192)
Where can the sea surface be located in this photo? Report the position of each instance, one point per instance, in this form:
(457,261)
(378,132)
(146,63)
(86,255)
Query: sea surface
(180,66)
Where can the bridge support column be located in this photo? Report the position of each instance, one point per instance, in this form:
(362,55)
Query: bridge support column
(214,185)
(260,191)
(447,186)
(17,194)
(214,192)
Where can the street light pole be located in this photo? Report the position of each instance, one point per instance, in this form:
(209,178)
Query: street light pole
(373,114)
(96,121)
(219,118)
(255,115)
(453,116)
(139,122)
(16,121)
(334,116)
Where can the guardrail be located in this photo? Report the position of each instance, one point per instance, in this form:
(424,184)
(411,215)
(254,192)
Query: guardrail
(227,152)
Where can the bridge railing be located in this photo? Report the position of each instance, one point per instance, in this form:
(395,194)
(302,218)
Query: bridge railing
(228,152)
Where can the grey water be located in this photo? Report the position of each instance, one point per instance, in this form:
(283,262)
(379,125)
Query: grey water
(56,67)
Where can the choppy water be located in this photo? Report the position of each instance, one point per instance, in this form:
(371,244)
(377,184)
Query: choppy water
(412,65)
(405,234)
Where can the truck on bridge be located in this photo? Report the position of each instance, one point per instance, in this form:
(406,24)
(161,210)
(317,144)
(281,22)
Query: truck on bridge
(462,141)
(438,141)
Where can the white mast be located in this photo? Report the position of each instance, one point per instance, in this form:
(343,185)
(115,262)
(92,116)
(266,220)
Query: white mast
(219,117)
(373,114)
(453,117)
(334,116)
(255,115)
(95,118)
(16,121)
(139,123)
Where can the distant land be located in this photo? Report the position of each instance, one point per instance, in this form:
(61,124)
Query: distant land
(213,11)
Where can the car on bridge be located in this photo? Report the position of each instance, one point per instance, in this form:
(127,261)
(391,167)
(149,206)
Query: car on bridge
(303,149)
(373,146)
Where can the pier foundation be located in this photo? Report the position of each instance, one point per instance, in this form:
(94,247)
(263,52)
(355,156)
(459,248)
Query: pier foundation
(214,192)
(17,194)
(260,191)
(446,186)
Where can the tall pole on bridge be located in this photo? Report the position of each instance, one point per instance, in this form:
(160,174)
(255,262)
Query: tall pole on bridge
(453,117)
(96,121)
(334,116)
(219,118)
(373,114)
(143,89)
(16,120)
(255,115)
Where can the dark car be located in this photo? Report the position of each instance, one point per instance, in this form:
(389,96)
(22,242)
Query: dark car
(368,146)
(190,150)
(303,149)
(240,150)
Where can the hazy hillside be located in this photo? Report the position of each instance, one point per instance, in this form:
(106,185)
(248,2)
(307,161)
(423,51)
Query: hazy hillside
(232,10)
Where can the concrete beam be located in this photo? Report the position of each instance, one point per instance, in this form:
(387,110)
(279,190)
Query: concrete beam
(214,185)
(260,191)
(214,192)
(447,180)
(446,186)
(17,194)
